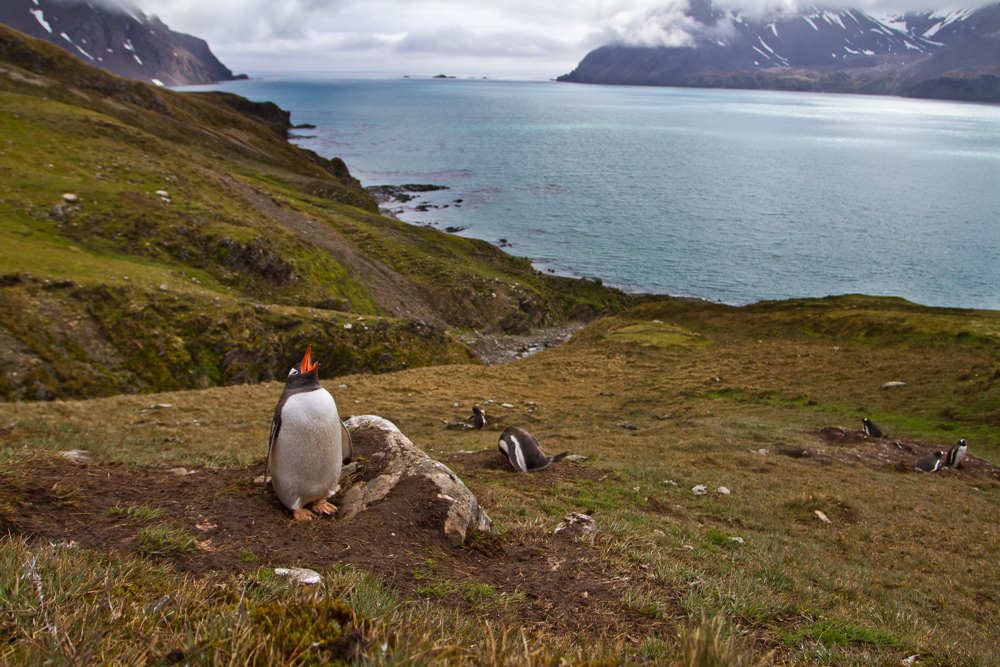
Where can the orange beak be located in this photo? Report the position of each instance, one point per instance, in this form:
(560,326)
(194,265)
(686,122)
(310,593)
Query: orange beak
(307,364)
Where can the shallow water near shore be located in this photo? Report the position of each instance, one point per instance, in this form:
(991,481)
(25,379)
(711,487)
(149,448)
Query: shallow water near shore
(732,196)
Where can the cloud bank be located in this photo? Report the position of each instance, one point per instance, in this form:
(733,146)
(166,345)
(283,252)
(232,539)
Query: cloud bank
(537,39)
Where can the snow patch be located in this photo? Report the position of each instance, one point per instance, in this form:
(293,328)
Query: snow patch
(761,53)
(832,18)
(157,82)
(773,28)
(40,15)
(810,22)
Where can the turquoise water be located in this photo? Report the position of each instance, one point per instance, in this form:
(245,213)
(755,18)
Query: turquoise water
(732,196)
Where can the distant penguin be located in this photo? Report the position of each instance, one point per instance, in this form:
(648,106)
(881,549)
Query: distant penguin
(956,454)
(523,451)
(307,447)
(871,429)
(930,463)
(479,418)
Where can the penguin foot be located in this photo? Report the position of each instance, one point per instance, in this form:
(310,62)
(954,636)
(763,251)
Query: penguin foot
(302,514)
(324,507)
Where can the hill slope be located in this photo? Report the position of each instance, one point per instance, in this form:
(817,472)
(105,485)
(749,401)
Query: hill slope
(199,247)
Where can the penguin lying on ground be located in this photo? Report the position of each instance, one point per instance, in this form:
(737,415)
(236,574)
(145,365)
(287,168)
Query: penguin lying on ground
(955,455)
(523,451)
(309,444)
(871,429)
(930,463)
(478,418)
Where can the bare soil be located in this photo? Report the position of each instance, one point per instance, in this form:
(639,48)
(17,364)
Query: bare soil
(556,585)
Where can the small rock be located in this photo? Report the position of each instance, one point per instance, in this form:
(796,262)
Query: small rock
(700,490)
(159,193)
(259,479)
(822,517)
(737,539)
(576,524)
(457,405)
(349,469)
(58,213)
(163,288)
(180,472)
(76,455)
(506,405)
(303,576)
(890,385)
(161,406)
(724,491)
(70,198)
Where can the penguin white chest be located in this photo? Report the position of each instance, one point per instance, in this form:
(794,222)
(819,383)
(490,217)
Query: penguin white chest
(307,456)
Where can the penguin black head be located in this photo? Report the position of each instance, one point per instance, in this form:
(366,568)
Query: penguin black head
(304,373)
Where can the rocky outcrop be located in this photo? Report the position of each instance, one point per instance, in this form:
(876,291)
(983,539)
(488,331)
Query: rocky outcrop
(390,466)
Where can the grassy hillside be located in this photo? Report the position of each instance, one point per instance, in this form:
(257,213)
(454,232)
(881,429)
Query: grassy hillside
(200,248)
(765,401)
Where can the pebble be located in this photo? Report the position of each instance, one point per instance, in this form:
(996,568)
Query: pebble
(890,385)
(822,517)
(76,455)
(700,490)
(70,198)
(737,539)
(724,491)
(506,405)
(303,576)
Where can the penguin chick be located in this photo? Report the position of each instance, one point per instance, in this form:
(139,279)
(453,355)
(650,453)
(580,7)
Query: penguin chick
(479,418)
(930,463)
(956,454)
(523,451)
(307,447)
(871,429)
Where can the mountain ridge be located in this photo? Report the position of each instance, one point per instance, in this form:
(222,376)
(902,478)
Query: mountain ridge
(119,39)
(949,56)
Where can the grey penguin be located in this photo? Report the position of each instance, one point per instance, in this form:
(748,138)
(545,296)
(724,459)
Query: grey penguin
(871,429)
(956,454)
(930,463)
(479,418)
(523,451)
(307,447)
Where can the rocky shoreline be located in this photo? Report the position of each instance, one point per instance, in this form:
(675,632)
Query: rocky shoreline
(495,350)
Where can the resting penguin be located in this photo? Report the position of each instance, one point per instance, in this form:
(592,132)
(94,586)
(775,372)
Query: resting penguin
(956,454)
(871,428)
(478,418)
(523,451)
(930,463)
(309,444)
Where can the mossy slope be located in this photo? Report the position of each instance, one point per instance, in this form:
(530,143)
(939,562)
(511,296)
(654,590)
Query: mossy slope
(195,206)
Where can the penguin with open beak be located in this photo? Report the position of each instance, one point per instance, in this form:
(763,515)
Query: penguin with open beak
(309,444)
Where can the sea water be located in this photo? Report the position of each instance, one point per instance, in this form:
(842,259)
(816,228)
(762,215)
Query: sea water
(731,196)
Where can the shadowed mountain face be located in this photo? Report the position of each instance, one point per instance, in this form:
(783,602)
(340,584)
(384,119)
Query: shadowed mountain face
(123,41)
(953,56)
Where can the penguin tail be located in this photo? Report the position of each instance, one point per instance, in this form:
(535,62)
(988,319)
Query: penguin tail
(559,456)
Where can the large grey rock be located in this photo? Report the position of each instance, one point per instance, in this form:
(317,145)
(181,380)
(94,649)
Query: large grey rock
(396,459)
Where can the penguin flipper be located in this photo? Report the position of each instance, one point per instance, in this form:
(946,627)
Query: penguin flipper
(346,446)
(275,427)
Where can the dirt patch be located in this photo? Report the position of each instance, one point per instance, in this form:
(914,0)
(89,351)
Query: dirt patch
(835,442)
(495,350)
(552,584)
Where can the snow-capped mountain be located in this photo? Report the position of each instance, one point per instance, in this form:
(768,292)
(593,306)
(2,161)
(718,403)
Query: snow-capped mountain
(815,49)
(121,40)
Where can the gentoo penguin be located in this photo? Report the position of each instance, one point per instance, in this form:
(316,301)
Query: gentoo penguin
(930,463)
(871,429)
(956,454)
(478,418)
(523,451)
(306,451)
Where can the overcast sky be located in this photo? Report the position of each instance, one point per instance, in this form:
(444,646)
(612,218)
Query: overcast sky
(536,39)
